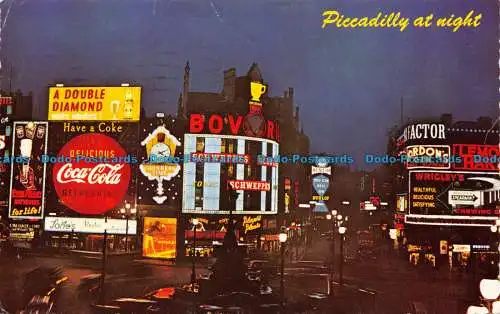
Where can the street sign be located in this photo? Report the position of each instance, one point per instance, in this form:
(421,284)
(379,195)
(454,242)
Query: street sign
(465,198)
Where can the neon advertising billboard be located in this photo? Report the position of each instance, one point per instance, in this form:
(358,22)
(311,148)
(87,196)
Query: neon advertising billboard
(160,238)
(222,152)
(203,189)
(321,182)
(94,103)
(28,171)
(428,157)
(92,167)
(453,197)
(160,146)
(475,157)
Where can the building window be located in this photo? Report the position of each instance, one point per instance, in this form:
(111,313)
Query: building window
(223,145)
(200,144)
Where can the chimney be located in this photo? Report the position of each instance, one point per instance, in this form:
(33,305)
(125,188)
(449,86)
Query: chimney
(285,94)
(447,119)
(185,90)
(485,122)
(290,93)
(229,84)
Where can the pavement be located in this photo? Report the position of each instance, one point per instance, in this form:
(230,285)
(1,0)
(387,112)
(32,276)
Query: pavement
(386,285)
(394,283)
(70,301)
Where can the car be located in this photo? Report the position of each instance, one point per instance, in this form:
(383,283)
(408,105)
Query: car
(163,300)
(39,305)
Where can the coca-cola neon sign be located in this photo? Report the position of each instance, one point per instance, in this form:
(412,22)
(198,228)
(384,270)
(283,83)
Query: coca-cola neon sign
(87,187)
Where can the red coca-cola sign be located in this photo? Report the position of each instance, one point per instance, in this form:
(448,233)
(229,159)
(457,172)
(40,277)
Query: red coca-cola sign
(96,179)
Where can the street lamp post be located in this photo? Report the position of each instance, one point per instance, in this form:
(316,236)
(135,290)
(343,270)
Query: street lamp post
(282,238)
(103,271)
(489,288)
(342,231)
(193,266)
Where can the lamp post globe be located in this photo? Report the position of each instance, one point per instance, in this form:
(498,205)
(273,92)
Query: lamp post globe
(477,310)
(283,237)
(490,289)
(496,307)
(328,216)
(334,212)
(339,217)
(342,230)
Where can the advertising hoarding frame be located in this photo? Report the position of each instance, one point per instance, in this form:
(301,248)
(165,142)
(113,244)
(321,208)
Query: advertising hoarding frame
(134,114)
(119,223)
(42,211)
(428,167)
(225,212)
(478,219)
(124,133)
(172,221)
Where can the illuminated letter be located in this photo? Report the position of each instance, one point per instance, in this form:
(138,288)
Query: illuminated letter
(235,127)
(196,123)
(441,131)
(215,124)
(270,130)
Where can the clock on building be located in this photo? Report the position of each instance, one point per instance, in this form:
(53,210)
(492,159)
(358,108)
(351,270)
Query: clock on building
(160,151)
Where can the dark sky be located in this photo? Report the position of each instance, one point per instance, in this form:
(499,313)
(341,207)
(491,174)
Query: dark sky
(348,82)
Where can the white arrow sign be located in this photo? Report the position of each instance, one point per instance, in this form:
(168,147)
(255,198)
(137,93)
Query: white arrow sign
(473,198)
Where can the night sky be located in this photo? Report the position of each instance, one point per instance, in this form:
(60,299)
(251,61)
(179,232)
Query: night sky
(348,82)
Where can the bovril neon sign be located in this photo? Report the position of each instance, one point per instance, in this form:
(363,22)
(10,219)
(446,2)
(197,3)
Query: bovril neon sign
(231,124)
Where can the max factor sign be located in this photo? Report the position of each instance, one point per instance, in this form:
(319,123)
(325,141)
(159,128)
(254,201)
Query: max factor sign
(423,131)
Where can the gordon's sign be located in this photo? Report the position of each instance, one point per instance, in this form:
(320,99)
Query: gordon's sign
(251,125)
(94,103)
(428,157)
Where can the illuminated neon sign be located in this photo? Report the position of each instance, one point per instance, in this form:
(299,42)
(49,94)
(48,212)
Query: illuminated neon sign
(232,124)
